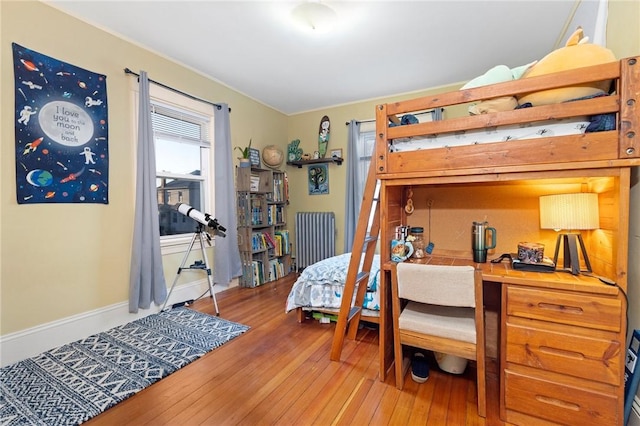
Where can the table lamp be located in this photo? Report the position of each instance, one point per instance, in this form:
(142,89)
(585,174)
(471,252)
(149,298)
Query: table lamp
(570,212)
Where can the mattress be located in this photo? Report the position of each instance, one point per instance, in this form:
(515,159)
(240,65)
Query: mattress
(516,132)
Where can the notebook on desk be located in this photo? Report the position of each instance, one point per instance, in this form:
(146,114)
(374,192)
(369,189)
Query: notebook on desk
(547,265)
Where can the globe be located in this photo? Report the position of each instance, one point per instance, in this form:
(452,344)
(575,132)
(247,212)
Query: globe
(272,156)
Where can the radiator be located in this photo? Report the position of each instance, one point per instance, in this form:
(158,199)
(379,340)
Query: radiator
(315,237)
(634,416)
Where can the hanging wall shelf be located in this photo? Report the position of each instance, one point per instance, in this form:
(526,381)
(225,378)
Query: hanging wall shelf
(300,163)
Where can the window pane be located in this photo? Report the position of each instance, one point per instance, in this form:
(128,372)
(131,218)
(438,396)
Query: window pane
(177,157)
(174,123)
(172,192)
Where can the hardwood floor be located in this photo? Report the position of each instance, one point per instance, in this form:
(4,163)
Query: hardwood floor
(279,372)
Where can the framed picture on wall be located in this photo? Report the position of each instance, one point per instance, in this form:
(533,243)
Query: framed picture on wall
(318,179)
(254,157)
(336,153)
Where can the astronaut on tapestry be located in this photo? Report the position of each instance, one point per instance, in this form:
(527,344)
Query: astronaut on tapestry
(61,128)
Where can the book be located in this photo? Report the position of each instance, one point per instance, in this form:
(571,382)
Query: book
(255,183)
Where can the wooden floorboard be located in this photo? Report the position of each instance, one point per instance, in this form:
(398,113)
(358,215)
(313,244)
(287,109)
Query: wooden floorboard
(279,373)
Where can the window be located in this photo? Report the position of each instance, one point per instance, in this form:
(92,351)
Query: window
(367,142)
(366,146)
(182,129)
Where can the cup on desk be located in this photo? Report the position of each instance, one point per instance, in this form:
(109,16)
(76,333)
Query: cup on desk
(400,250)
(480,232)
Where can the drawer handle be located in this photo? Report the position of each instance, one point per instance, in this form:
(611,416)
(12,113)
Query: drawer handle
(561,308)
(558,402)
(562,352)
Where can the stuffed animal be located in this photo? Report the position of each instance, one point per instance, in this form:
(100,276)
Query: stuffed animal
(497,74)
(577,53)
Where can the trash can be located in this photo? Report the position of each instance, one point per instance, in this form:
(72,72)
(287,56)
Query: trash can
(451,363)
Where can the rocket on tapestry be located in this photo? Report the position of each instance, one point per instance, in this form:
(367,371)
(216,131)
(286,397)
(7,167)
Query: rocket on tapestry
(62,128)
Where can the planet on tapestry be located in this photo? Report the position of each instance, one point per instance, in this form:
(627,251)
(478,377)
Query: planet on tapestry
(61,127)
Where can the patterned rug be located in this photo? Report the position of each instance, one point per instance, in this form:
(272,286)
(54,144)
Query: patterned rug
(75,382)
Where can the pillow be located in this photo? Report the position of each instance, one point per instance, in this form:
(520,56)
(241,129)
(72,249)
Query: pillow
(497,74)
(577,53)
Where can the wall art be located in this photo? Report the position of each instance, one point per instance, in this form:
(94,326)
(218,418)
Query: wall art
(318,178)
(61,127)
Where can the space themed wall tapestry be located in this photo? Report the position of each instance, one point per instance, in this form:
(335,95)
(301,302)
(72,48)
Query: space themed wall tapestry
(62,128)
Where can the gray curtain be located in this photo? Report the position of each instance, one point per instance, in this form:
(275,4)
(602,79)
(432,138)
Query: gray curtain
(353,198)
(147,281)
(227,263)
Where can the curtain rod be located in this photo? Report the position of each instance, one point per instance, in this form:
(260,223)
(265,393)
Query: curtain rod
(128,71)
(361,121)
(372,120)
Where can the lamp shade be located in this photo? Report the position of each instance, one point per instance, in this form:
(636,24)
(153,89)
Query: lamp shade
(569,211)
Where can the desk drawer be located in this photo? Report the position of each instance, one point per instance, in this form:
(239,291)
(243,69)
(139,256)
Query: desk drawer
(592,311)
(559,403)
(592,358)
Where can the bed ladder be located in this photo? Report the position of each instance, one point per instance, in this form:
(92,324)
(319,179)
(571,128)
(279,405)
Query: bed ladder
(365,240)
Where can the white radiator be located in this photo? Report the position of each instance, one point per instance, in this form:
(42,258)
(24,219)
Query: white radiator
(634,416)
(315,237)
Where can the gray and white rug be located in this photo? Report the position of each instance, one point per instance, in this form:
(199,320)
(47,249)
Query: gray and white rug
(75,382)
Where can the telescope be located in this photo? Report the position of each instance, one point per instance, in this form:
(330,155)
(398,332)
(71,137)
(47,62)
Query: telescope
(203,218)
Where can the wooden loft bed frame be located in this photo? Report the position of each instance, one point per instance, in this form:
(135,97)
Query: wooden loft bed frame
(620,147)
(600,159)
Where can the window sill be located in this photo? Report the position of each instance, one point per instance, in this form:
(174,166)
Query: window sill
(180,244)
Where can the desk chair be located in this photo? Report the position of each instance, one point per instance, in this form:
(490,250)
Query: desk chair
(439,314)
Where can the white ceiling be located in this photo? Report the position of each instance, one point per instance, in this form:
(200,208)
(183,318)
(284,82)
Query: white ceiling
(378,48)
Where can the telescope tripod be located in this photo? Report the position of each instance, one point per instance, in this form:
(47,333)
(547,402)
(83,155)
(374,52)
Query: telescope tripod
(203,265)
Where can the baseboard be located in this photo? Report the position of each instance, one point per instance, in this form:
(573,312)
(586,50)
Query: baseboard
(30,342)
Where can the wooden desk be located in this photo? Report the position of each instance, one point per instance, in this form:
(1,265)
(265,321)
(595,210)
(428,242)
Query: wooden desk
(561,351)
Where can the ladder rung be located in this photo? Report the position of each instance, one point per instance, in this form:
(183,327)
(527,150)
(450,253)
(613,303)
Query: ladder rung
(362,275)
(370,239)
(352,313)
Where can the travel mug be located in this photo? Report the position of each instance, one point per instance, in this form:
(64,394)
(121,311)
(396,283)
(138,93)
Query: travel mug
(479,244)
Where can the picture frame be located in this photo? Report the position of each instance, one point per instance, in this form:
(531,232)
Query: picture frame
(254,157)
(318,179)
(336,153)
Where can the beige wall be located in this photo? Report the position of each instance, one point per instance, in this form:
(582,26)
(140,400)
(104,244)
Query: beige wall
(61,260)
(305,127)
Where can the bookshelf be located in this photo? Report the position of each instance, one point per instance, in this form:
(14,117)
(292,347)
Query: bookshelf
(263,236)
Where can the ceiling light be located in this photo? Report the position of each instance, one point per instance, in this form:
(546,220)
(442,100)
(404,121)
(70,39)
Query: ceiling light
(314,16)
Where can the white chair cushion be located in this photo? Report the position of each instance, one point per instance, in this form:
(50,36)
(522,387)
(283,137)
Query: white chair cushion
(437,284)
(443,321)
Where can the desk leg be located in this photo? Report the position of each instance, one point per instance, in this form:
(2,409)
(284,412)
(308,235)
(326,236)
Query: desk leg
(385,343)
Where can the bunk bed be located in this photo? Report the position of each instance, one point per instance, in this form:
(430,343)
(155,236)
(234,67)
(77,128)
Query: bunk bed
(599,147)
(416,156)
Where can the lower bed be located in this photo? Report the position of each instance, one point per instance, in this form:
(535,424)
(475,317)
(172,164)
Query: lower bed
(320,286)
